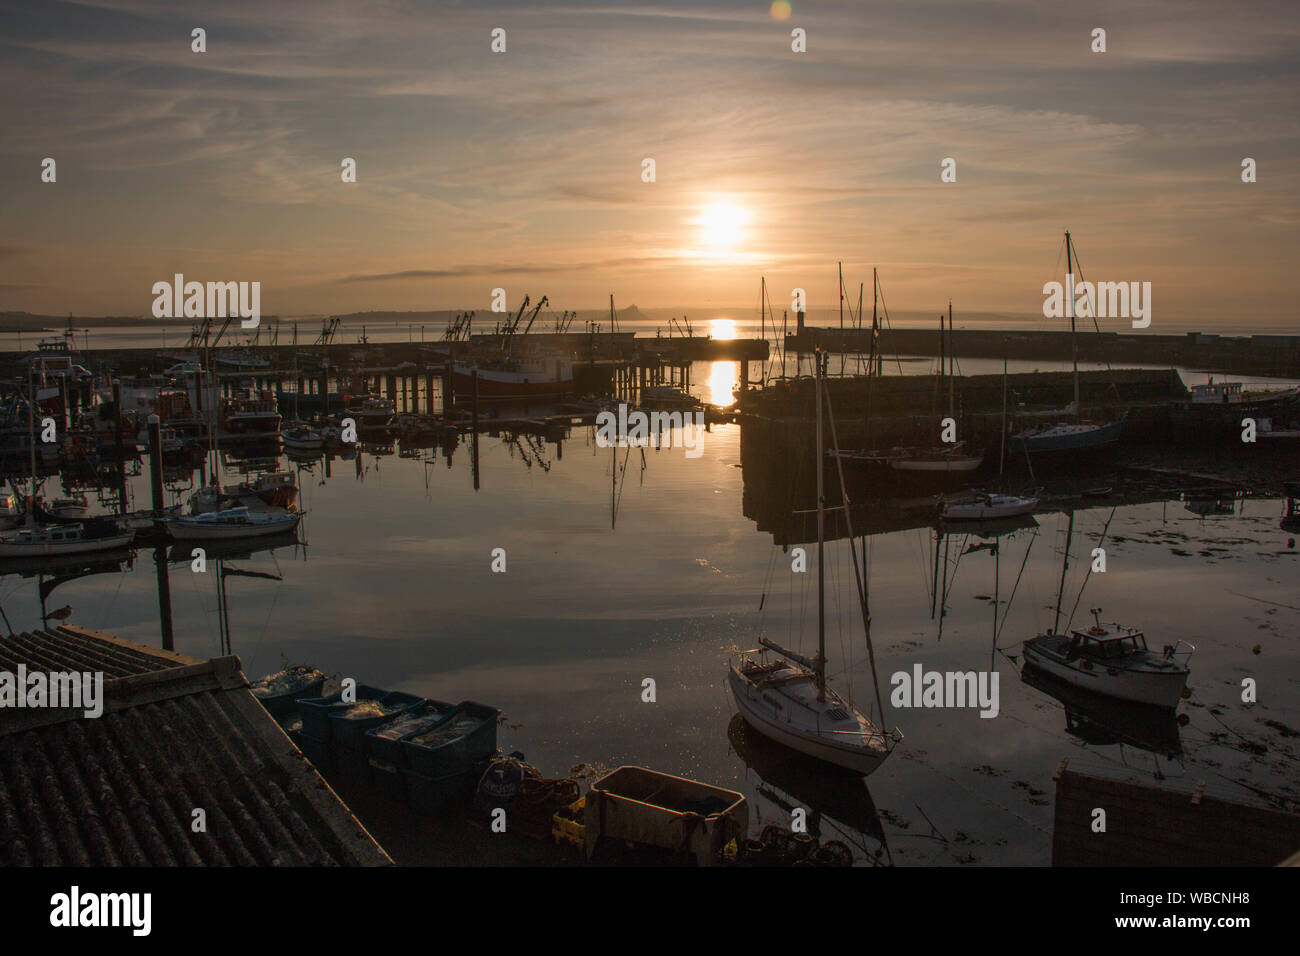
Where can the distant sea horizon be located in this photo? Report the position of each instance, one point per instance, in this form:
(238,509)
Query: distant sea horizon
(24,330)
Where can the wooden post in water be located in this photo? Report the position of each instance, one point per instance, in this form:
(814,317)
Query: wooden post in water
(474,412)
(155,464)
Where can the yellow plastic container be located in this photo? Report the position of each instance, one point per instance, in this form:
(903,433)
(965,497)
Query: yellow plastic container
(565,825)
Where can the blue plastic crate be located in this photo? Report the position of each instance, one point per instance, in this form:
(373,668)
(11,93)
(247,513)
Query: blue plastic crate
(388,780)
(284,703)
(433,795)
(353,764)
(350,732)
(316,710)
(389,750)
(455,756)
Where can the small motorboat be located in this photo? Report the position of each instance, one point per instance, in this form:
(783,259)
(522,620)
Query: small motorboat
(231,523)
(76,508)
(1113,661)
(983,506)
(301,437)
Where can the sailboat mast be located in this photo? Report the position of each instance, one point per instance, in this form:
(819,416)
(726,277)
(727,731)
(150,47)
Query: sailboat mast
(1002,451)
(31,442)
(875,295)
(821,539)
(950,359)
(841,268)
(1065,564)
(1074,338)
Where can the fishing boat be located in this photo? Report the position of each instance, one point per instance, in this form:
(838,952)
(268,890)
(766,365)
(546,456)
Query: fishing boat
(371,412)
(277,490)
(244,358)
(983,506)
(250,414)
(787,699)
(300,436)
(509,379)
(1078,435)
(99,534)
(1113,661)
(230,523)
(669,397)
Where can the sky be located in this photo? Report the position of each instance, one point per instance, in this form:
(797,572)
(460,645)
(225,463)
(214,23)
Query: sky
(523,170)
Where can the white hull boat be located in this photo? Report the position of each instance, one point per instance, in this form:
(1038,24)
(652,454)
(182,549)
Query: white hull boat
(787,699)
(231,523)
(302,438)
(1113,661)
(985,507)
(779,700)
(943,460)
(57,540)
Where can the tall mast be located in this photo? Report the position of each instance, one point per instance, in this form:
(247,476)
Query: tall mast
(1065,564)
(841,268)
(1074,338)
(1002,451)
(821,539)
(950,358)
(31,442)
(875,295)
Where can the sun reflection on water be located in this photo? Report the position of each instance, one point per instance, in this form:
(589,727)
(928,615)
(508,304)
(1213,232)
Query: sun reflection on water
(723,378)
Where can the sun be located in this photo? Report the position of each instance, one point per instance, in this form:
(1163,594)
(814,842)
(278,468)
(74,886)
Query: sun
(723,224)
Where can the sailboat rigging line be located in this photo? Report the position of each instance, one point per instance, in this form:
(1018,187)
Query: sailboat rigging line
(1078,597)
(885,310)
(857,572)
(1032,539)
(1065,564)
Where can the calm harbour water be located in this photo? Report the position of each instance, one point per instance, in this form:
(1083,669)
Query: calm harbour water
(393,587)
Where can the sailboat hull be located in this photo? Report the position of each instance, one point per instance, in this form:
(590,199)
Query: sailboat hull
(853,749)
(1066,438)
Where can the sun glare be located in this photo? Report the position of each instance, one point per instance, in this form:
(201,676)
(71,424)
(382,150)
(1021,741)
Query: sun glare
(723,224)
(723,329)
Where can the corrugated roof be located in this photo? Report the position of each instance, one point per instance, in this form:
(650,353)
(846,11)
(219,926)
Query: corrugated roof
(80,649)
(176,735)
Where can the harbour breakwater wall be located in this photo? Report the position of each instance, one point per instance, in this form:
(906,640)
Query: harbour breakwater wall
(1264,355)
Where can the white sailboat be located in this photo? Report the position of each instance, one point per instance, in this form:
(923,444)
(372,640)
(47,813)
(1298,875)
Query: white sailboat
(787,699)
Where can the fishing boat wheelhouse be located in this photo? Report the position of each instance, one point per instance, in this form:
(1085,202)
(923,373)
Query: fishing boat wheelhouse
(251,413)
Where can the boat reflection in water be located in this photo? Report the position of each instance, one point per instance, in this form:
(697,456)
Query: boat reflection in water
(837,800)
(1102,721)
